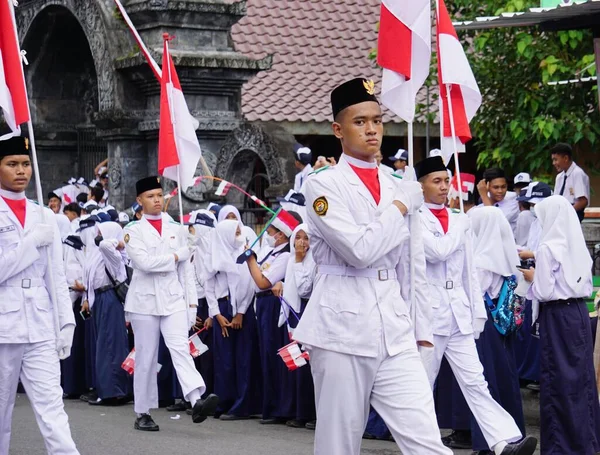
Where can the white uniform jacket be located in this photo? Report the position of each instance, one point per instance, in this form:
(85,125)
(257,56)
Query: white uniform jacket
(346,314)
(453,280)
(26,309)
(159,285)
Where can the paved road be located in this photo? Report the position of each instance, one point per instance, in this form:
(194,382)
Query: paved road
(109,431)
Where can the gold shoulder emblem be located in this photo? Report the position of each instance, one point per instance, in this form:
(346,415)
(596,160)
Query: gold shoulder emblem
(126,238)
(369,86)
(26,143)
(320,206)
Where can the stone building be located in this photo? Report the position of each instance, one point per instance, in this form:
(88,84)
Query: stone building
(256,74)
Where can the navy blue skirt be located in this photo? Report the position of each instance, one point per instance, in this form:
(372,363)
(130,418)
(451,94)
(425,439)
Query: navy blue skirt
(112,346)
(90,351)
(497,355)
(278,391)
(205,363)
(569,409)
(73,367)
(528,354)
(376,426)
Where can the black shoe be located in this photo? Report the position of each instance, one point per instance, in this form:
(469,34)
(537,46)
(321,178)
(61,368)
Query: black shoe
(525,447)
(272,421)
(311,425)
(204,408)
(295,423)
(180,406)
(189,411)
(459,439)
(145,423)
(90,396)
(231,417)
(367,435)
(116,401)
(534,386)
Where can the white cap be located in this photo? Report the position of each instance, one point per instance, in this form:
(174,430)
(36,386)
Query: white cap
(523,177)
(123,217)
(435,152)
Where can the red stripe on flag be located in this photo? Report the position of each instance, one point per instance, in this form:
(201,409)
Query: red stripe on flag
(394,45)
(12,65)
(167,148)
(444,24)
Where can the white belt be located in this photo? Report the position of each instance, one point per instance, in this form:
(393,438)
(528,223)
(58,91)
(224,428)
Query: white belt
(448,284)
(341,270)
(24,283)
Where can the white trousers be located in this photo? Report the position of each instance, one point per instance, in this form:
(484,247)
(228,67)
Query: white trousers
(397,388)
(38,367)
(496,424)
(174,329)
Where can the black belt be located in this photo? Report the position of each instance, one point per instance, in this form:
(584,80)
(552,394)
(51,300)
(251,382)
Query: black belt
(563,302)
(264,294)
(108,287)
(226,298)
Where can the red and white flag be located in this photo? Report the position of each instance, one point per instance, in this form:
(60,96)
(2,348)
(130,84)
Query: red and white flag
(223,188)
(197,347)
(404,53)
(13,94)
(178,147)
(468,186)
(454,72)
(293,356)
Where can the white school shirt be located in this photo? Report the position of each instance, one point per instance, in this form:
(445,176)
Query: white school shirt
(578,184)
(304,273)
(301,177)
(490,283)
(216,288)
(274,266)
(524,222)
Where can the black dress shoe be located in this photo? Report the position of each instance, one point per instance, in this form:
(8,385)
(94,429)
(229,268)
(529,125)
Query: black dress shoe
(459,439)
(204,408)
(311,425)
(180,406)
(145,423)
(367,435)
(295,423)
(189,411)
(272,421)
(231,417)
(525,447)
(90,396)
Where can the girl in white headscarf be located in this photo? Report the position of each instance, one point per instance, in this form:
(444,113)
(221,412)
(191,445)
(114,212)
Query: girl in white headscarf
(495,258)
(105,259)
(299,277)
(230,294)
(561,280)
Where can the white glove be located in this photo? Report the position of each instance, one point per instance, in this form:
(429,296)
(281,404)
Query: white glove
(41,234)
(192,313)
(184,253)
(410,194)
(65,341)
(478,326)
(191,240)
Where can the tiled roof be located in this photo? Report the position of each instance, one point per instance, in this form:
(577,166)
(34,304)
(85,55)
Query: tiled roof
(316,45)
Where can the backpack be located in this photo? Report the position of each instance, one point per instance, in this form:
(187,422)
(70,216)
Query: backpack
(507,313)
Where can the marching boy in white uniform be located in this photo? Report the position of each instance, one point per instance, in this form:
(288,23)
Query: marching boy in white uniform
(363,345)
(459,313)
(29,347)
(161,299)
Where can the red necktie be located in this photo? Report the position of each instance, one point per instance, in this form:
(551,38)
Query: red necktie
(370,177)
(442,216)
(18,208)
(156,224)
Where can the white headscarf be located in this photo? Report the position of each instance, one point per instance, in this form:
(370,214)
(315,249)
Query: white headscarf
(290,289)
(64,226)
(562,234)
(226,210)
(494,247)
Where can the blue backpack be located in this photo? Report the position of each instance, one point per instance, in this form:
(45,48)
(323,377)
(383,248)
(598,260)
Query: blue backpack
(507,313)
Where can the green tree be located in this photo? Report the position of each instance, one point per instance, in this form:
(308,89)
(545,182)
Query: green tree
(522,116)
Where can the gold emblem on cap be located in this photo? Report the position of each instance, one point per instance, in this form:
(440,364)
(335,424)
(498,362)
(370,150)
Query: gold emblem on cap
(369,86)
(157,179)
(26,143)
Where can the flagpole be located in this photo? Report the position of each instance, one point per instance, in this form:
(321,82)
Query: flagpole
(413,224)
(453,130)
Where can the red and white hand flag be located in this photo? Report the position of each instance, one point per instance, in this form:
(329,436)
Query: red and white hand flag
(293,356)
(404,53)
(13,94)
(468,186)
(454,72)
(197,347)
(178,147)
(223,188)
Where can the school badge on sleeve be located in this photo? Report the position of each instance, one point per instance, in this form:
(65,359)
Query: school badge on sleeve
(126,238)
(321,206)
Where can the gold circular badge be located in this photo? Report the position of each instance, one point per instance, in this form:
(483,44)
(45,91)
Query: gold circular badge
(126,238)
(321,206)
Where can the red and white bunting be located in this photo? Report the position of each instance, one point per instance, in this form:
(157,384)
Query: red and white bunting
(223,188)
(404,53)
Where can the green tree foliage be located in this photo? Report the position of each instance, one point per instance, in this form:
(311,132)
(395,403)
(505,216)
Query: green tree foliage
(521,115)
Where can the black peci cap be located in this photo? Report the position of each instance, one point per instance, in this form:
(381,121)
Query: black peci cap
(147,184)
(14,146)
(429,166)
(352,92)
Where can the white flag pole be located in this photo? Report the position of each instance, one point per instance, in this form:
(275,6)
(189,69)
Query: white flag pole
(413,224)
(453,131)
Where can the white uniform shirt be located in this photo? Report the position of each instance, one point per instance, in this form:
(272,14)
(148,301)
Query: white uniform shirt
(349,314)
(304,273)
(159,286)
(26,309)
(524,222)
(216,288)
(454,289)
(300,178)
(490,283)
(577,185)
(273,264)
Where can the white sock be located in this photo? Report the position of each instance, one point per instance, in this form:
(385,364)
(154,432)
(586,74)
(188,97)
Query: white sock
(498,448)
(193,396)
